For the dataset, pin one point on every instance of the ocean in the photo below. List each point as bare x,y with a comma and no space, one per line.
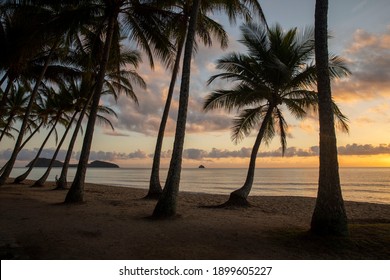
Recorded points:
358,184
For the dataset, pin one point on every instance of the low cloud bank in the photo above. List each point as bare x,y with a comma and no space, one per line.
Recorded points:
200,154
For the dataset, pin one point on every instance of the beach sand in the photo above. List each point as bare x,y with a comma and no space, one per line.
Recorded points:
114,223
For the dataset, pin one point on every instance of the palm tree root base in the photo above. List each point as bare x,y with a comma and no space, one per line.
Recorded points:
60,186
152,196
234,201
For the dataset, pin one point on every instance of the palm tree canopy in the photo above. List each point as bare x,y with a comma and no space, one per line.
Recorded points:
277,72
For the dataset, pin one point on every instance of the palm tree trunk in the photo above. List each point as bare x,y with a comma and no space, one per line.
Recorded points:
329,215
166,206
3,78
155,188
11,161
41,181
239,197
24,143
76,191
62,183
23,177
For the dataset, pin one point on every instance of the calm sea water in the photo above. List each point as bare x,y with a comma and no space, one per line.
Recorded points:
358,184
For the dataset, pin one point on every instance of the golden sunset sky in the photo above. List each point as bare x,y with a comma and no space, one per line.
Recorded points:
360,33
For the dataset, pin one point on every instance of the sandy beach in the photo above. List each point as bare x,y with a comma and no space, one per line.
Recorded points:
114,224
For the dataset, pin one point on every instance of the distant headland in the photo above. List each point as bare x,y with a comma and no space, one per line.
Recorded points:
44,162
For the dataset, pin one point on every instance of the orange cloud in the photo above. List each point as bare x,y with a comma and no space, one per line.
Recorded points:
369,59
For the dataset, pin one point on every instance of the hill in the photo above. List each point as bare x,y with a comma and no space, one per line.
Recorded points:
44,162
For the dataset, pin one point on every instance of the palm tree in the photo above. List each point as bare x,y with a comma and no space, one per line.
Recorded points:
276,74
33,132
20,42
166,206
53,112
65,103
15,107
206,27
48,40
329,215
145,23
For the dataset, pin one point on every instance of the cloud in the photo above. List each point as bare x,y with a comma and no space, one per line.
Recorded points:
146,117
366,149
368,57
214,153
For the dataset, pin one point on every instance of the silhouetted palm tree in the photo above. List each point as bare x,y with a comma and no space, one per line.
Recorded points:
166,206
144,22
47,34
206,29
329,215
277,74
51,109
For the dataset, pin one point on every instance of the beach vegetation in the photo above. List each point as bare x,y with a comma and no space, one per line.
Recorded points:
329,217
143,23
277,74
206,29
166,205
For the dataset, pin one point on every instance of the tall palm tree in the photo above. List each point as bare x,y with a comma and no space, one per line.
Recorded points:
166,206
276,74
118,79
49,40
145,23
206,28
329,215
65,103
51,109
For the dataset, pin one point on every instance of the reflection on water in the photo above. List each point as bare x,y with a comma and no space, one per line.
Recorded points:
358,184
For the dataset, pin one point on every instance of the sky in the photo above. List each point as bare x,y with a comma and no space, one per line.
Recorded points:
360,33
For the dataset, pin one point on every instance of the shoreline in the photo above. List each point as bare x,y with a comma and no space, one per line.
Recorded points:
360,186
113,224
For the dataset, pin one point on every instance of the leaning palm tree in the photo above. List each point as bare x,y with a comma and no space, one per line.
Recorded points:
47,39
144,22
54,114
277,74
205,30
166,206
329,215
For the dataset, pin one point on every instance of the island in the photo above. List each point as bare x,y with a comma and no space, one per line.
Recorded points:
201,166
44,162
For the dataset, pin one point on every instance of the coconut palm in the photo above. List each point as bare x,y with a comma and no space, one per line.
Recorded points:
166,206
48,32
52,109
34,129
329,215
19,41
205,30
64,103
276,74
144,21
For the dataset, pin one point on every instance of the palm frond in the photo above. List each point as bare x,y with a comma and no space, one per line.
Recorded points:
282,129
338,67
244,123
341,121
